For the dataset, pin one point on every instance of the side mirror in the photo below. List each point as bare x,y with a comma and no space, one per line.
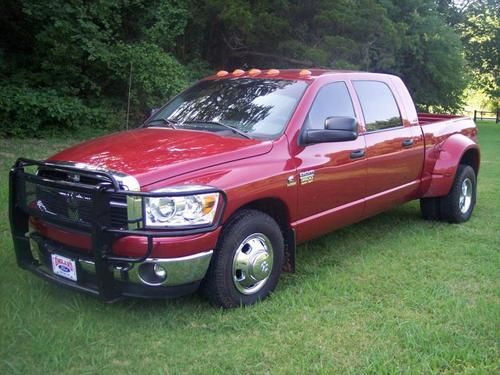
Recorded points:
337,129
153,111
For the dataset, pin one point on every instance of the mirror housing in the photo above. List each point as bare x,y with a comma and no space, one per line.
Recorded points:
337,129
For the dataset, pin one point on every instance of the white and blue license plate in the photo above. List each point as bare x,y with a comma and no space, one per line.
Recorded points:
64,267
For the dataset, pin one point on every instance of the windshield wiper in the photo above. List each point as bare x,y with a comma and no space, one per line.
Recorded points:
167,121
229,127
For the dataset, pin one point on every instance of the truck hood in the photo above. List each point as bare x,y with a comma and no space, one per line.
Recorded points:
153,154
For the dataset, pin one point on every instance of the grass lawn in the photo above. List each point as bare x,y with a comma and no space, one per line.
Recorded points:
389,295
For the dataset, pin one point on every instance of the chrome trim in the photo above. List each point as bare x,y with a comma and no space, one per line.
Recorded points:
87,265
465,197
117,204
134,212
35,249
252,263
183,270
130,182
180,271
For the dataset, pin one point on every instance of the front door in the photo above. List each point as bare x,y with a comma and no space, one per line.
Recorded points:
331,176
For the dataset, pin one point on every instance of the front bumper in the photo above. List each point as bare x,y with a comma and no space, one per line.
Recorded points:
183,275
101,271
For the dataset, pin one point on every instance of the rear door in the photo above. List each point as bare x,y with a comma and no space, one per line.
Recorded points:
394,162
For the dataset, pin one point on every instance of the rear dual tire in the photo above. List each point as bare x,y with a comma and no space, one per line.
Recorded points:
457,206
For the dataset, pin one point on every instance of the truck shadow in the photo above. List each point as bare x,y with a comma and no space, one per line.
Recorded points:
362,238
333,249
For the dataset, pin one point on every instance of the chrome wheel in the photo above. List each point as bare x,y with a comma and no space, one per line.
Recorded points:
465,198
252,263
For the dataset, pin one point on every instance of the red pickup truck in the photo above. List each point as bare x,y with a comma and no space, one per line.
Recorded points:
215,190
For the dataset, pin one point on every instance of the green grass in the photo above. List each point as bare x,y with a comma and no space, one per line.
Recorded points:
389,295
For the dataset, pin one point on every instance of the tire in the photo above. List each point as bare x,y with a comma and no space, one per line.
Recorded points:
457,206
430,208
247,262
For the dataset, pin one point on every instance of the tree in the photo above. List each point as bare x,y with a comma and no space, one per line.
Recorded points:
410,38
431,57
481,35
83,51
68,59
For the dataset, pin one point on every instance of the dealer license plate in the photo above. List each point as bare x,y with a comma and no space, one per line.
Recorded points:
64,267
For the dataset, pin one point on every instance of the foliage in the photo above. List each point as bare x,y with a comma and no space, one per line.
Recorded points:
83,52
77,56
476,99
481,34
26,111
410,39
431,62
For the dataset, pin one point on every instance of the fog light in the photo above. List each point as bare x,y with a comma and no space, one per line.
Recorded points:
160,271
152,273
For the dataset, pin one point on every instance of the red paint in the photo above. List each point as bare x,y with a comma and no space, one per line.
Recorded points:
64,236
155,154
167,247
343,191
443,152
133,246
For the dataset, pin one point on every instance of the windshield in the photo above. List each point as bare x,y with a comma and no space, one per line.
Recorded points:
256,108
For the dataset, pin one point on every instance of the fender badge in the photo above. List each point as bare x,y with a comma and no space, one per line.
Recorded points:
306,177
291,181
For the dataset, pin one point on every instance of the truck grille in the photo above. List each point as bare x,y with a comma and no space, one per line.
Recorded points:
71,205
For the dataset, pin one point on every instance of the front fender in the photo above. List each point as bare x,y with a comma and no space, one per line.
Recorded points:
448,156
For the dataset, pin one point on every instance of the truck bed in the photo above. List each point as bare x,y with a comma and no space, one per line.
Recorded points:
438,127
430,118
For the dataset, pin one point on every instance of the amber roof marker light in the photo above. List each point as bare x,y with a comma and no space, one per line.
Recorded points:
254,72
273,72
305,72
222,73
238,72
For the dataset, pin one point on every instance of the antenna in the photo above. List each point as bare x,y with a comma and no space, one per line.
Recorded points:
129,90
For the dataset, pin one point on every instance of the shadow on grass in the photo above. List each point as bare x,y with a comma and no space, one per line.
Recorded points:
333,249
357,238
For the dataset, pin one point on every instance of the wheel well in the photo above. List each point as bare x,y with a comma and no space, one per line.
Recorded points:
274,208
471,157
278,210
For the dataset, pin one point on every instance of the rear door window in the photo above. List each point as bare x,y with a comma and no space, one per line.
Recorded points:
380,109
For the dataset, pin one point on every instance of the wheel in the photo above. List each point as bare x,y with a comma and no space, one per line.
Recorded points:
247,262
458,205
430,208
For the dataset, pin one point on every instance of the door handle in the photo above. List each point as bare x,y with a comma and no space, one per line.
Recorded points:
407,142
356,154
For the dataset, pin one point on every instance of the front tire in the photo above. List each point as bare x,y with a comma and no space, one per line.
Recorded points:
247,263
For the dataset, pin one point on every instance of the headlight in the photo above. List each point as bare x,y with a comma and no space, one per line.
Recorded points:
179,211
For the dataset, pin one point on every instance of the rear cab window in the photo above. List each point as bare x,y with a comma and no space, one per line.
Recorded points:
380,109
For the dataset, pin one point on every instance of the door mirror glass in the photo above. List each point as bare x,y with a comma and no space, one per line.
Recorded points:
340,123
337,129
